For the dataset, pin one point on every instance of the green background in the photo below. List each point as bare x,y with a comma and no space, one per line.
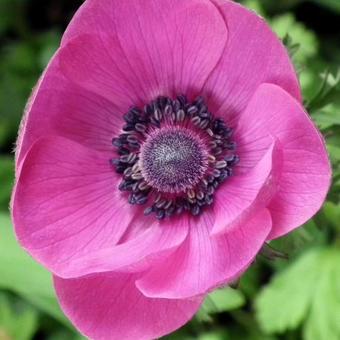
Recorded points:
278,298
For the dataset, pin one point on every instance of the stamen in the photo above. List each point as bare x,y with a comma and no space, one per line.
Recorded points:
173,155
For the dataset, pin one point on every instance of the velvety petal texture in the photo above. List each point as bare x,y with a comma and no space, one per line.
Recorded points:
59,107
106,54
248,193
202,262
305,172
144,48
69,214
109,306
120,274
253,55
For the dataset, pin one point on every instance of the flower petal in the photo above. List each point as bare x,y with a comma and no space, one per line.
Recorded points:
135,254
65,109
109,306
143,48
305,170
253,55
204,262
67,207
245,194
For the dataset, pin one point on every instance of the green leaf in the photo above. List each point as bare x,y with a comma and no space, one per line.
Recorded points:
329,93
284,303
255,6
219,301
328,117
63,334
18,320
6,180
299,35
334,152
22,275
214,335
331,212
307,290
323,322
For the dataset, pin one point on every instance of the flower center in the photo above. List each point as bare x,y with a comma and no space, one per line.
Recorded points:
173,155
173,160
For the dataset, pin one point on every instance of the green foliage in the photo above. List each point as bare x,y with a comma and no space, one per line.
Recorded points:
6,180
308,290
283,304
219,301
331,212
323,321
300,35
18,320
22,275
327,95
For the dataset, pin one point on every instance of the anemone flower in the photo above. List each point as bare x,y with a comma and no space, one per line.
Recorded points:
164,144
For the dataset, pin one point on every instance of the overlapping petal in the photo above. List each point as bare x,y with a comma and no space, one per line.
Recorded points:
153,241
253,55
68,211
121,274
143,48
305,171
109,306
106,54
65,109
245,194
203,262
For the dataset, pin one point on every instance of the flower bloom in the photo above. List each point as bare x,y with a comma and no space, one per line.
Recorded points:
163,145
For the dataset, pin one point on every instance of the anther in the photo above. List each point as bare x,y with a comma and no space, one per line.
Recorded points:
210,132
140,127
195,210
137,176
158,115
211,159
168,110
148,211
180,115
191,193
174,154
135,168
192,110
143,185
220,164
216,173
128,172
160,214
132,139
196,120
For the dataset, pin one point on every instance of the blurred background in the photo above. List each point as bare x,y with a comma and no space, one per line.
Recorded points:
292,299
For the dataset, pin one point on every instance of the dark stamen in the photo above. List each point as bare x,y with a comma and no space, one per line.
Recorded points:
174,155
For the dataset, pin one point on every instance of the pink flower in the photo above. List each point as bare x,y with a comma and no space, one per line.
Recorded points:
163,145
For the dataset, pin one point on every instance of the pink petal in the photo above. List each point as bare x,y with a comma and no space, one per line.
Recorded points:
109,306
245,194
140,49
305,170
155,240
65,109
204,262
253,55
67,207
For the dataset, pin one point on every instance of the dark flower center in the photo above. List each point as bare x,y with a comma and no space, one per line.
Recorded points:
173,160
173,155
